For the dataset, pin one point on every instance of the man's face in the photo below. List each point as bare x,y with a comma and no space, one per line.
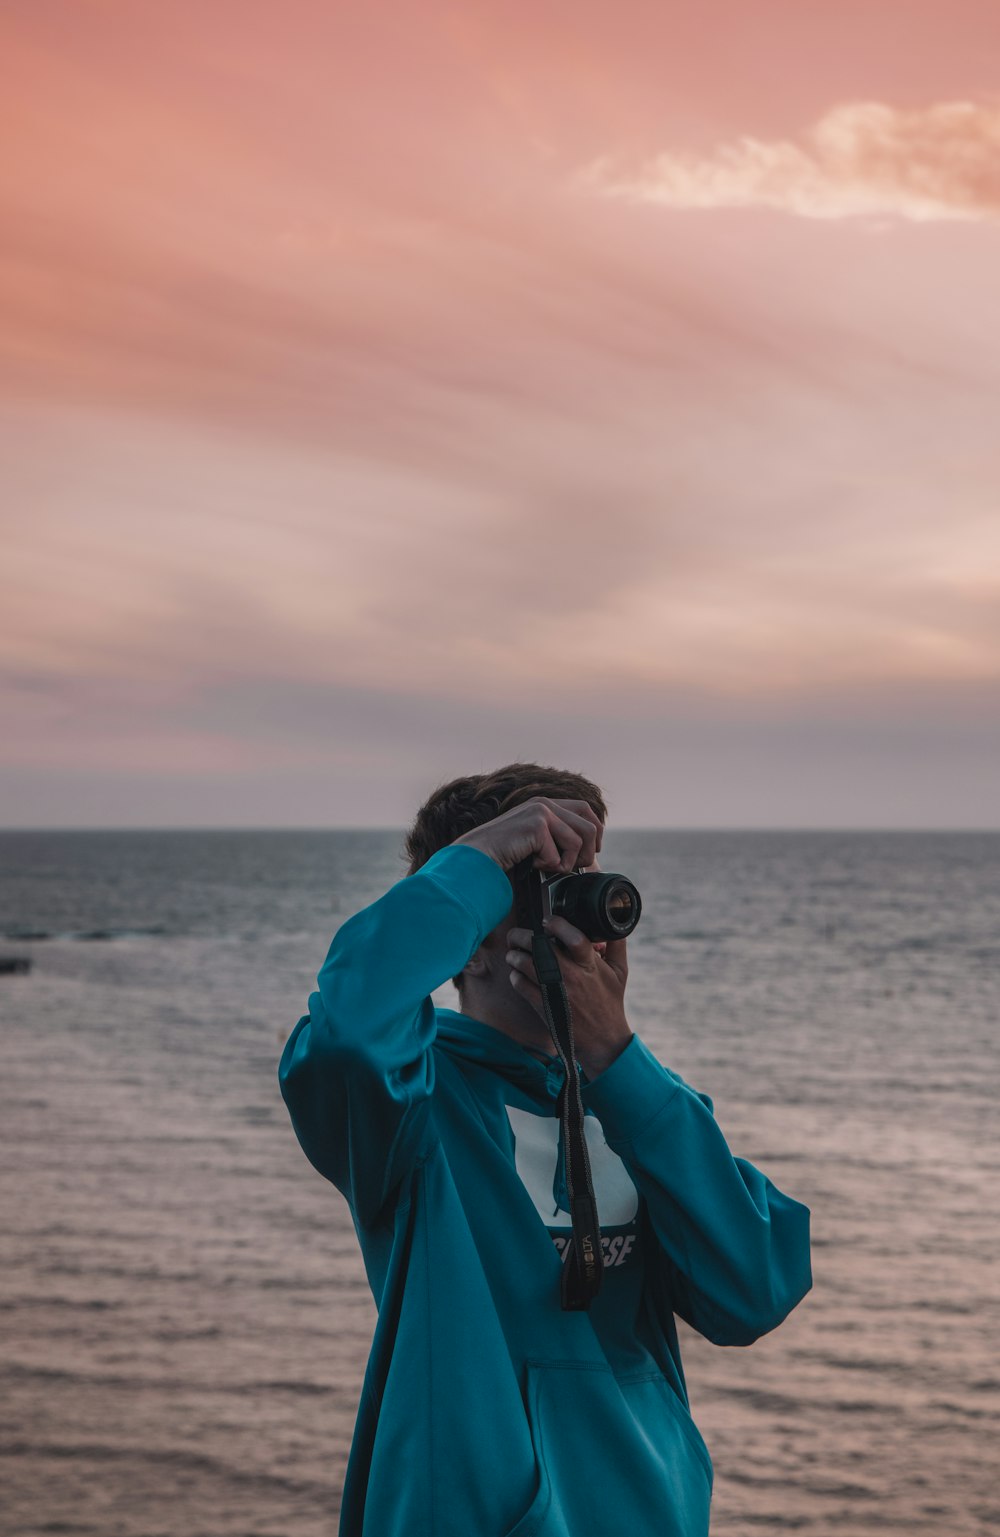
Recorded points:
487,991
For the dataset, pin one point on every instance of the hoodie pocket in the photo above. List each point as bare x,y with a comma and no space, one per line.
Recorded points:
613,1454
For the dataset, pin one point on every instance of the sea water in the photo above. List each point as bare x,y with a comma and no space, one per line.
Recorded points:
183,1309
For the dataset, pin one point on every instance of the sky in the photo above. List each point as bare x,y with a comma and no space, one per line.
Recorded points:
388,393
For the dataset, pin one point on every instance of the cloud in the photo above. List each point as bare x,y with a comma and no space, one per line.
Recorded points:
860,159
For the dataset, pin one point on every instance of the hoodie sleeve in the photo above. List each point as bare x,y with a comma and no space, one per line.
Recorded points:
357,1071
734,1248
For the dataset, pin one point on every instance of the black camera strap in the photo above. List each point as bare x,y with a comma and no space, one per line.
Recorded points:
583,1266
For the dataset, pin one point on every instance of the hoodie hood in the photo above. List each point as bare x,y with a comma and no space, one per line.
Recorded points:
540,1078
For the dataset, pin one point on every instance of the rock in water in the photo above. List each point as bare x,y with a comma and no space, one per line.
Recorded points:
10,964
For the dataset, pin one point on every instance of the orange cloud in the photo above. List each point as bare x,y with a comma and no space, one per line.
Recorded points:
861,158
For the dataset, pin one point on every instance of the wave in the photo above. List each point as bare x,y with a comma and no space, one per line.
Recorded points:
25,936
144,1383
183,1462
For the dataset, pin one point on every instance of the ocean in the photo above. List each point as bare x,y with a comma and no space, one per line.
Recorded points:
184,1312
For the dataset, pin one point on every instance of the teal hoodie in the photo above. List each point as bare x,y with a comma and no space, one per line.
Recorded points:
486,1410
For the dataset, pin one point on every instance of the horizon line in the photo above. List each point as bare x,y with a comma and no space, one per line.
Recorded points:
400,828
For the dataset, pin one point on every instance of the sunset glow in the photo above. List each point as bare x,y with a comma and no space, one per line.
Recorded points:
389,392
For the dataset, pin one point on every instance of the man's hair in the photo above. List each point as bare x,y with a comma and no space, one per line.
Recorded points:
459,805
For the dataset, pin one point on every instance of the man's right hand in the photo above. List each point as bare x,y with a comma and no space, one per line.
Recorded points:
563,835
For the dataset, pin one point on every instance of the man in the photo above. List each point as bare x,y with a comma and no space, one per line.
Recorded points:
487,1410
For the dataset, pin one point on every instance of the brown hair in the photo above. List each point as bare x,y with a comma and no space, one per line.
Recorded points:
459,805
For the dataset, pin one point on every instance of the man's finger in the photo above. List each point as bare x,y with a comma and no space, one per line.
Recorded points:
521,961
529,989
585,811
577,944
616,955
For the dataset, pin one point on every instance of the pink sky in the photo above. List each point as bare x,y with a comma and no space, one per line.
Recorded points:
389,392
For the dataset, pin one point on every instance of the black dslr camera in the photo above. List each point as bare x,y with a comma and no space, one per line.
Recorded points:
601,905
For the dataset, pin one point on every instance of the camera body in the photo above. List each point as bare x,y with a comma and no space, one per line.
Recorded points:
599,903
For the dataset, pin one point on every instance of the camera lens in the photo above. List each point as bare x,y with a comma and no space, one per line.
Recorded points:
600,905
620,908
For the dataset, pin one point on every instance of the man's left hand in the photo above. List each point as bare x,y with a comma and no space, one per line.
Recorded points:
594,977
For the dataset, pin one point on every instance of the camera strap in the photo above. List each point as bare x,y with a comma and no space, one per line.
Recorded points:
583,1265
